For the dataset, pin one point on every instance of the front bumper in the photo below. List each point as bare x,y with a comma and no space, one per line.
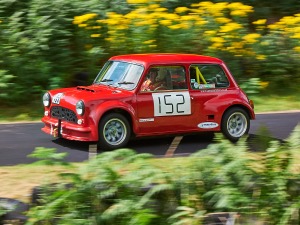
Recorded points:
68,130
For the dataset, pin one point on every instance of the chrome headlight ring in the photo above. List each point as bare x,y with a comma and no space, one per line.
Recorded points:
46,99
80,107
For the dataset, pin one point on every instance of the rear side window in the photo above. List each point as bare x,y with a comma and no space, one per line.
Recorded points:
203,76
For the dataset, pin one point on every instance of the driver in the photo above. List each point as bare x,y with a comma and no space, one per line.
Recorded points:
154,81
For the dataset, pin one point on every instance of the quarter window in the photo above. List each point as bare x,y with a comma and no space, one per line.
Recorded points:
203,76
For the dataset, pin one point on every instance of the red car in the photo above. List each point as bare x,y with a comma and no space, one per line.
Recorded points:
150,94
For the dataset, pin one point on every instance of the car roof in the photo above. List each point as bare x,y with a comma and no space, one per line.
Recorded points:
165,58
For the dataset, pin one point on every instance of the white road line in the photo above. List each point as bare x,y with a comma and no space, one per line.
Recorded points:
173,146
92,151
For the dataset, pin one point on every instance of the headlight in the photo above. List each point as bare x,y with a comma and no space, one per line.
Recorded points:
80,108
46,99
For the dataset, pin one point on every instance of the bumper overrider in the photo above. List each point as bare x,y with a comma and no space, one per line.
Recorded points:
61,128
61,119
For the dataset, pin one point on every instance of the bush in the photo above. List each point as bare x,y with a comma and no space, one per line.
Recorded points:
122,187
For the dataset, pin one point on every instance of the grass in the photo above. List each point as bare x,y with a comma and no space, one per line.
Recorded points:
269,103
18,181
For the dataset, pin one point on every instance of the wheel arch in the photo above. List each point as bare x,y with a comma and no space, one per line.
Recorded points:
242,127
121,111
247,110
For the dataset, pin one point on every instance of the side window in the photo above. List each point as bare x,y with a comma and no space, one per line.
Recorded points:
161,78
203,76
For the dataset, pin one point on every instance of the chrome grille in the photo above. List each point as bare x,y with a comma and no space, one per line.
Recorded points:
63,114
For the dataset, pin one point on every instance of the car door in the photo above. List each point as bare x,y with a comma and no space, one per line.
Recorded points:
166,109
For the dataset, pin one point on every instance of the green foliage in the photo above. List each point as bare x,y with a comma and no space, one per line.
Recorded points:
48,156
41,48
4,84
228,178
252,86
3,210
122,187
117,187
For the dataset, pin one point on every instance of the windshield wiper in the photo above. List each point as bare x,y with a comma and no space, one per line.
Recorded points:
106,80
125,82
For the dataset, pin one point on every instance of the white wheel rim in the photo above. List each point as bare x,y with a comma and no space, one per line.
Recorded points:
114,131
237,124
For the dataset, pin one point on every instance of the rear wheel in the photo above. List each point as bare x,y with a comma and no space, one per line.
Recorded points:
114,131
235,123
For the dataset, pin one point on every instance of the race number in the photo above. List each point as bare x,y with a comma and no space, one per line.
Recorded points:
56,98
171,103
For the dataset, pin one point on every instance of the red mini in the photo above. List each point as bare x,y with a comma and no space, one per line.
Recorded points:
150,94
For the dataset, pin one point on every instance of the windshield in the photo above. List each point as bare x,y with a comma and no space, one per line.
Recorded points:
120,74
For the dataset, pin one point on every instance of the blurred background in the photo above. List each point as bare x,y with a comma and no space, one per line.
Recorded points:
50,44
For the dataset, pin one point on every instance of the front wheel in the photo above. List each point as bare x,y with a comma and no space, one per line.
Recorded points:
114,131
235,123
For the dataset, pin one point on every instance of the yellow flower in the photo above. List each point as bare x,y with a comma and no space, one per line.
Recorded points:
83,18
217,39
297,49
239,9
187,18
175,27
95,35
260,22
217,45
296,36
153,6
137,1
170,16
251,38
210,32
264,84
237,45
161,9
112,21
273,26
229,27
149,42
181,9
200,22
165,22
82,25
206,4
223,20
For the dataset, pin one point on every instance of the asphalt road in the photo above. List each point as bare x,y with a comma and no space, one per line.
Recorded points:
18,140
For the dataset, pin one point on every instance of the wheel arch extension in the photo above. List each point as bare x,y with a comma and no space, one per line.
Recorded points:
122,112
247,110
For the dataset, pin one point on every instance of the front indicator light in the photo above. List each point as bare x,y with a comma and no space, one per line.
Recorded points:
80,107
251,104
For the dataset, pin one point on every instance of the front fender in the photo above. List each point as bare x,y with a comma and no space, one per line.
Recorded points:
103,108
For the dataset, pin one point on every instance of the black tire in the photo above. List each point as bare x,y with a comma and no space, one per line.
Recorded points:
235,123
114,132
